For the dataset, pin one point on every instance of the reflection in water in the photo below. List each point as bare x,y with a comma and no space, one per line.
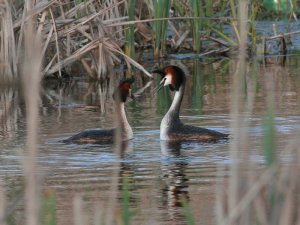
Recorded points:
175,180
157,183
9,111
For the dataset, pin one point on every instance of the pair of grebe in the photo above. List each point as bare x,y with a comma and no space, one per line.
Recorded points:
171,128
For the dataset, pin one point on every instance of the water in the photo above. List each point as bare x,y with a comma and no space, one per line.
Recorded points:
160,174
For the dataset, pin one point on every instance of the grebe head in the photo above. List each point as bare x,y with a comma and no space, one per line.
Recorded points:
123,91
171,76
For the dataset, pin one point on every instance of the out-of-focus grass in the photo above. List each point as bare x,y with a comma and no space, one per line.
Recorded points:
196,24
256,194
161,10
48,214
129,33
187,212
126,212
269,140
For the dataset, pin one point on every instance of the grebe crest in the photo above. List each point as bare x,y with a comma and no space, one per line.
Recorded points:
172,76
123,91
171,128
106,136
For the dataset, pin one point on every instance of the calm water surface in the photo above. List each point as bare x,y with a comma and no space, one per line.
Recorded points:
160,173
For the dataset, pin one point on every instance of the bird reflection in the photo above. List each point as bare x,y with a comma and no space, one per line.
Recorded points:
175,188
124,151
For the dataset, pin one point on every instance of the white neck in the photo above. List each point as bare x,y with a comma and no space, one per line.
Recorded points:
126,130
171,119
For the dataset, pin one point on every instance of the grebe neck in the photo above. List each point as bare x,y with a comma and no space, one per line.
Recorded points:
126,130
172,116
176,103
171,120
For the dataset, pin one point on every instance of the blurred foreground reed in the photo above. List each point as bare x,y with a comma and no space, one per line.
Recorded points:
254,194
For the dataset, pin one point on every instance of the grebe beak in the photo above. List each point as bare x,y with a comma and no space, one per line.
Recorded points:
158,87
161,84
131,95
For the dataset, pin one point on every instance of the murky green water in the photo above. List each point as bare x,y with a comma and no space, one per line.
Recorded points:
160,174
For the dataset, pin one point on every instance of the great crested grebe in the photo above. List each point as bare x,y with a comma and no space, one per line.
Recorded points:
171,128
106,136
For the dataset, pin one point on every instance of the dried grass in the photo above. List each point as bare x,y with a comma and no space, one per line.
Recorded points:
72,33
31,82
255,195
8,64
70,28
2,205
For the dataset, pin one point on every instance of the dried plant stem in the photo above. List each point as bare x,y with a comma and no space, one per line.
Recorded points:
56,42
79,216
236,111
249,196
2,206
31,82
114,181
7,43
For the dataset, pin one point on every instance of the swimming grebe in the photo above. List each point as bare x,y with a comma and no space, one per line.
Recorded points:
106,136
171,128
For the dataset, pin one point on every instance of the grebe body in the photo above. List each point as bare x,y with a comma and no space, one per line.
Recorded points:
107,136
171,128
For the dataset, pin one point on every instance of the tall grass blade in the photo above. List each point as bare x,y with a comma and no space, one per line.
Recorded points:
269,140
161,10
223,35
126,212
129,33
49,216
196,24
255,7
198,87
236,22
187,213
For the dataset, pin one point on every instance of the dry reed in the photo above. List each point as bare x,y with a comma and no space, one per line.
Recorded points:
2,205
72,33
93,33
8,64
249,196
31,82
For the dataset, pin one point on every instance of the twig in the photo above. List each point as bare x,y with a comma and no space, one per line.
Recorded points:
282,35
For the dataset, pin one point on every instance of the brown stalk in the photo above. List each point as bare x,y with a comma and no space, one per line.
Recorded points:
78,209
288,207
162,19
133,62
237,127
247,199
75,56
31,81
2,205
56,41
47,41
7,44
34,11
89,18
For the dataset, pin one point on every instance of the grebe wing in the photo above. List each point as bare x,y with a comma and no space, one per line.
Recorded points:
188,132
95,136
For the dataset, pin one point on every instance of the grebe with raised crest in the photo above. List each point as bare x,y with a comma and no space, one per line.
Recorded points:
171,128
107,136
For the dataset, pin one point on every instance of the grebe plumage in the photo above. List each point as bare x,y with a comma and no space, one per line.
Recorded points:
171,128
107,136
